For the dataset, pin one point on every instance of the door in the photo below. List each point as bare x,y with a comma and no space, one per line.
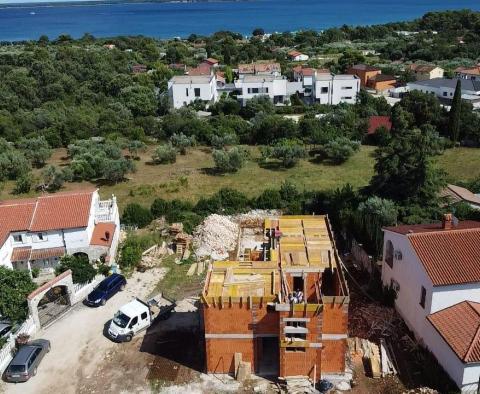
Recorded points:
133,326
144,320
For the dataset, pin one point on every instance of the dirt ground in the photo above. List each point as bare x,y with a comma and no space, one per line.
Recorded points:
80,350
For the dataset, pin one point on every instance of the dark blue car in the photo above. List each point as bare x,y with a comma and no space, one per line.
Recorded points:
106,289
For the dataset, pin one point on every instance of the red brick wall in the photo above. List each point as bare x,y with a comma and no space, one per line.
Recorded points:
220,354
228,320
335,318
333,356
299,363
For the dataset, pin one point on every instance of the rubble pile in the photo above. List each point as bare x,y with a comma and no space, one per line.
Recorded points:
215,237
255,218
153,256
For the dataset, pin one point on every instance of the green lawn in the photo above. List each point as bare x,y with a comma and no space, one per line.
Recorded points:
190,177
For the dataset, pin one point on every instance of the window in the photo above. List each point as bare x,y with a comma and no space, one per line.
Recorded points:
17,238
389,253
295,349
40,237
423,295
266,90
398,255
324,90
445,94
133,322
143,316
197,92
186,92
346,98
346,87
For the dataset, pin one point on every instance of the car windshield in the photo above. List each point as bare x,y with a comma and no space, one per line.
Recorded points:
120,319
16,368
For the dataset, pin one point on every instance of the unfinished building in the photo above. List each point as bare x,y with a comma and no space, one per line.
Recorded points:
281,301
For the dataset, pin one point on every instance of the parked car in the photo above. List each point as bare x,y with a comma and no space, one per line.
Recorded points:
25,362
106,289
138,315
5,328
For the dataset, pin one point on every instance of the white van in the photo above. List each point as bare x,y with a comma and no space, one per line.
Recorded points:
138,315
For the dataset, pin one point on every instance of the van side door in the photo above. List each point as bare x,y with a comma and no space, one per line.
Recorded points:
133,326
144,320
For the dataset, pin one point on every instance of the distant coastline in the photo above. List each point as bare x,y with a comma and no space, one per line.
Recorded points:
65,3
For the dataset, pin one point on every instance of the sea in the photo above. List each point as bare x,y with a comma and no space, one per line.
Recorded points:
180,19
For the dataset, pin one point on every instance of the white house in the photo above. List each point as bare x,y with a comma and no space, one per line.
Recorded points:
433,267
261,85
36,232
185,89
297,56
335,89
472,73
425,72
444,89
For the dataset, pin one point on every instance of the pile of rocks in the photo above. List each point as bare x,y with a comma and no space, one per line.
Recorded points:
215,237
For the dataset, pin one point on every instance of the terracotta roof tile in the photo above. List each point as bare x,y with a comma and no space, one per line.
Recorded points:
375,122
459,326
432,227
38,254
21,254
449,257
99,235
463,194
50,212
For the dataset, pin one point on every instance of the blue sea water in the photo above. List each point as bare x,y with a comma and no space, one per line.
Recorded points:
165,20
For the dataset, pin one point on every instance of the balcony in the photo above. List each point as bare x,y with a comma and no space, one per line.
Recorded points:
106,210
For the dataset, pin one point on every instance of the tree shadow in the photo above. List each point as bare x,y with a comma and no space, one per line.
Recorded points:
272,166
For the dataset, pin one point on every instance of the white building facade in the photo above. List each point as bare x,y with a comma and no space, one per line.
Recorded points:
433,268
36,233
184,89
335,89
262,85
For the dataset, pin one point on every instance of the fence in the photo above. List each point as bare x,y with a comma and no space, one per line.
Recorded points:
7,351
81,290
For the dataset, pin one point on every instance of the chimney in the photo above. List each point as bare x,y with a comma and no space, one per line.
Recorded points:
107,235
447,222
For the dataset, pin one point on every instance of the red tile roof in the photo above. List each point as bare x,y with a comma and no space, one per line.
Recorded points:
449,257
375,122
38,254
99,235
47,285
211,61
364,67
408,229
49,212
294,53
459,326
21,254
458,193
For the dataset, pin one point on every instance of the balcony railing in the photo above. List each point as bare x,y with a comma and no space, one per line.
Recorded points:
106,211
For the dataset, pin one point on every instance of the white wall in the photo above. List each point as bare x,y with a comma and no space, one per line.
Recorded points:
445,296
411,276
345,91
183,94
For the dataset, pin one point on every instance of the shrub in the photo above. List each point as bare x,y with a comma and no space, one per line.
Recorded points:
53,178
23,184
136,215
16,286
227,201
220,141
132,249
36,149
269,199
164,154
159,207
229,161
82,270
339,150
181,142
289,152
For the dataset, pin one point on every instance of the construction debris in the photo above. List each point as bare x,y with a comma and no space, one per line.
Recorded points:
153,256
373,321
182,244
255,218
215,237
388,367
299,385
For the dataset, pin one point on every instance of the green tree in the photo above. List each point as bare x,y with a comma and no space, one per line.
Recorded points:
454,115
82,270
229,161
53,178
136,215
16,285
36,149
134,147
182,142
289,152
164,154
23,183
339,150
404,167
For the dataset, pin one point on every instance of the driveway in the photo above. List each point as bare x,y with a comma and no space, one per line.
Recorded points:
79,347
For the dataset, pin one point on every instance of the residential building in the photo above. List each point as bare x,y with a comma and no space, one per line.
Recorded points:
456,194
376,122
281,304
297,56
185,89
139,69
211,62
364,72
324,87
382,82
260,68
252,86
424,72
444,89
472,73
434,269
37,232
335,89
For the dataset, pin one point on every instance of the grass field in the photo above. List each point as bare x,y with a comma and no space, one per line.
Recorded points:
191,177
